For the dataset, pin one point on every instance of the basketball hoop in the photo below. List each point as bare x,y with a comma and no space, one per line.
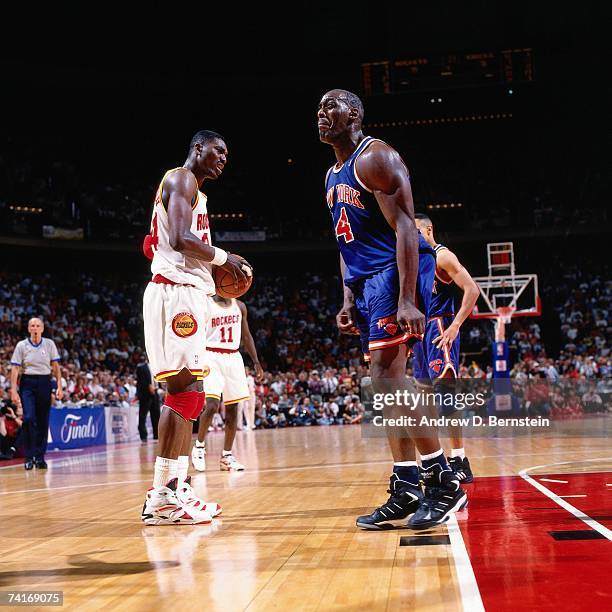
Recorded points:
504,313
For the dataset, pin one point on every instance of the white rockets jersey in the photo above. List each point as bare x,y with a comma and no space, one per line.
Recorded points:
171,264
224,326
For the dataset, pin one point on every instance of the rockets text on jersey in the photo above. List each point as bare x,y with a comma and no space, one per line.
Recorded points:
366,241
225,325
443,293
171,264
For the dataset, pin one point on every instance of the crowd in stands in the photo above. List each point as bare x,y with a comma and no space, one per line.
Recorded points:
69,197
581,375
330,397
312,375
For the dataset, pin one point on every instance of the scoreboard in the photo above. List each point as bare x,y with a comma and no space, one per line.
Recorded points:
445,72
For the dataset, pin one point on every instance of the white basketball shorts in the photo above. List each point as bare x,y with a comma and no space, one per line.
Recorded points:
227,377
175,322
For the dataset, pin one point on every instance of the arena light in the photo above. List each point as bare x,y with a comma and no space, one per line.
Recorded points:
444,205
438,120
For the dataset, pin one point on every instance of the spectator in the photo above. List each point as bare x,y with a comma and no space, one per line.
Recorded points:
592,402
537,401
148,402
11,423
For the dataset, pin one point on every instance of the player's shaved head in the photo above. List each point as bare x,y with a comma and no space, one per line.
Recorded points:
203,137
35,321
352,100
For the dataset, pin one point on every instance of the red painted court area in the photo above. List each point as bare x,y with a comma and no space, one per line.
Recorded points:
516,560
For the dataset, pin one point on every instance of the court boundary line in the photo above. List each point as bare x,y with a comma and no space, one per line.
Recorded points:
471,599
585,518
68,487
57,460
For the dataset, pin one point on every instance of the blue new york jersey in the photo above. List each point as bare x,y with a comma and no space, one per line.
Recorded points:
368,247
366,240
443,294
431,362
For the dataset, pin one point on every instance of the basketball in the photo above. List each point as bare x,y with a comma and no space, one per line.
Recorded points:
224,284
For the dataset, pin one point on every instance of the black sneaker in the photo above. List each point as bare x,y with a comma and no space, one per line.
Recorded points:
41,464
29,464
443,496
404,501
462,469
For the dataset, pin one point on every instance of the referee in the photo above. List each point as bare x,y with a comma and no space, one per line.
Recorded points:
37,357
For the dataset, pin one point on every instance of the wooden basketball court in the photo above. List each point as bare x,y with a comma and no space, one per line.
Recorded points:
536,533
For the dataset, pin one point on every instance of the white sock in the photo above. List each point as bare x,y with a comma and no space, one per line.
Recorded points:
458,452
226,453
432,455
182,469
405,463
165,470
200,444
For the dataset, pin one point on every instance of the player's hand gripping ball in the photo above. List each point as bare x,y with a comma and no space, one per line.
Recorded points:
225,283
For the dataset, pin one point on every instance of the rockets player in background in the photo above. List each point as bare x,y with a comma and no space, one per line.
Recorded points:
228,326
176,308
369,197
436,359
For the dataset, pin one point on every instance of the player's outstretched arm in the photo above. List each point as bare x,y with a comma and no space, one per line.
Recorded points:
179,191
248,342
448,262
382,170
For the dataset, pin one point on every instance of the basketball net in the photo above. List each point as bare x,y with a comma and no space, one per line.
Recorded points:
504,316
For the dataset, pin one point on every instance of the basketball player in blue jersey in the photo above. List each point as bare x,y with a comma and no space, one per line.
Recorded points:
436,359
370,199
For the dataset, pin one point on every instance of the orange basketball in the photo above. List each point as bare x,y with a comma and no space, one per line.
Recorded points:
224,284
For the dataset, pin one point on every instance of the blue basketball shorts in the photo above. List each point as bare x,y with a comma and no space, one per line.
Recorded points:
430,362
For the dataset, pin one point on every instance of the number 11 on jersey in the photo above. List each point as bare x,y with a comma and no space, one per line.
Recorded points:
229,334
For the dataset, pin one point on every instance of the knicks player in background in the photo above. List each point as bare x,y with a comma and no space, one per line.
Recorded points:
176,307
370,199
227,327
436,359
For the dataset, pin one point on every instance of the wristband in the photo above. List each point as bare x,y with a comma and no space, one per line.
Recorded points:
220,257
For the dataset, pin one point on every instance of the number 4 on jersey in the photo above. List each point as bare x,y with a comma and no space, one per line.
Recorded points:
343,227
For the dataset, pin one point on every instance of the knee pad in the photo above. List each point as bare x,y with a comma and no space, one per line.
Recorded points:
185,404
447,391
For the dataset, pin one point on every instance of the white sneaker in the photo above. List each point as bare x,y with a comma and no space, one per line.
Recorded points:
187,496
229,464
198,458
162,507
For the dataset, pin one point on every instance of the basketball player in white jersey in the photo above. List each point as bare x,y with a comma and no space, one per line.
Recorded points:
176,308
227,327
